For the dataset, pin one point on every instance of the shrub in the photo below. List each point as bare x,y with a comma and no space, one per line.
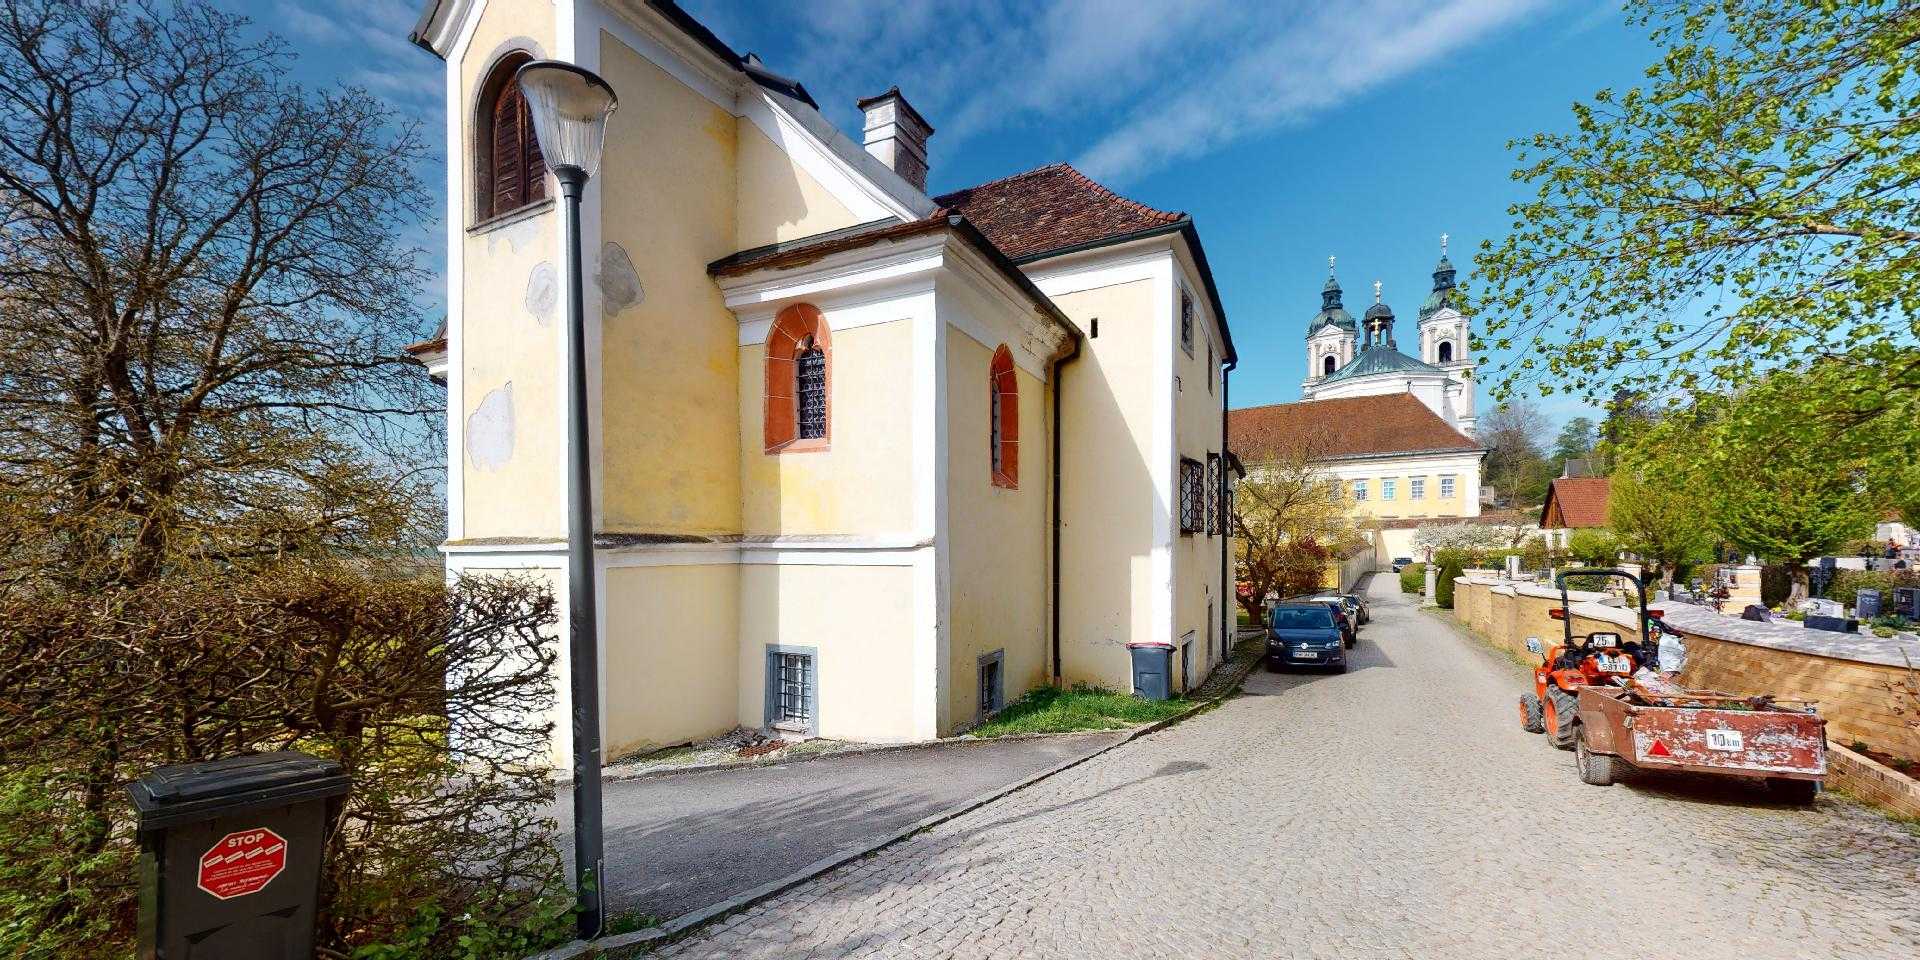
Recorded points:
1847,584
433,699
1413,578
1776,584
1443,591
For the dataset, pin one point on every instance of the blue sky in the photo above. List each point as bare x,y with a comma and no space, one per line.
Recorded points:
1291,131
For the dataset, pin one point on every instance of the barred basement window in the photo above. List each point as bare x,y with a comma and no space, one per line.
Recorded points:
1192,496
792,689
1214,507
811,369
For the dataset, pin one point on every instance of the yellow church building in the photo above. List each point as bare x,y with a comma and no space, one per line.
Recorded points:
869,463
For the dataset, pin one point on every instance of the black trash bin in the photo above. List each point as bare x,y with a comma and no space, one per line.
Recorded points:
1152,669
230,856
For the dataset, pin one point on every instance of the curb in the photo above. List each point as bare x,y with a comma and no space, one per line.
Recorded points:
607,777
630,944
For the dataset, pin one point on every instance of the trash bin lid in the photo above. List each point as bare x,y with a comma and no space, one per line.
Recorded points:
190,792
1137,644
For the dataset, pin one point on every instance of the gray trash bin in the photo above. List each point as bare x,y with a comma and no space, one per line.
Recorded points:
1152,669
1866,604
230,856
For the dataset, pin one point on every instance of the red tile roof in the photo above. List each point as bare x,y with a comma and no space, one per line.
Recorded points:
1576,502
1052,208
1387,423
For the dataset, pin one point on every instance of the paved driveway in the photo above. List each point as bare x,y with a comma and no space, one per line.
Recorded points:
1395,811
682,841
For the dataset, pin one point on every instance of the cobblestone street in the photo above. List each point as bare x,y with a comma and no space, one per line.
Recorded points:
1395,811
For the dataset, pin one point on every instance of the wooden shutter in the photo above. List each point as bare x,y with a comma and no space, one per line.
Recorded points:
533,164
509,156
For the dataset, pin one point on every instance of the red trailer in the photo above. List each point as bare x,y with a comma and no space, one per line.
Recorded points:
1701,731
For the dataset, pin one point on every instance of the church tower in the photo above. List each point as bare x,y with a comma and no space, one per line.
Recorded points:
1330,337
1444,338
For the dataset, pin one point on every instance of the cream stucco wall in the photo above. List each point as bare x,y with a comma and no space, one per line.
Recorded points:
861,484
1197,597
669,448
778,199
997,538
509,387
1110,506
560,714
672,654
859,620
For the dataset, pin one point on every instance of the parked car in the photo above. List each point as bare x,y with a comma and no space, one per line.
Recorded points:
1401,563
1344,613
1360,602
1305,634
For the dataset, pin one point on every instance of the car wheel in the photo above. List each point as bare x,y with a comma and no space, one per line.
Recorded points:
1562,711
1532,714
1599,769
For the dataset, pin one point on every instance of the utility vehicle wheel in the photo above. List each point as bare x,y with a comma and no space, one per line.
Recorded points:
1562,710
1797,792
1533,717
1599,769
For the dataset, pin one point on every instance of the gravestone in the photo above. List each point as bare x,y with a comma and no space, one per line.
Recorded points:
1866,604
1832,624
1823,608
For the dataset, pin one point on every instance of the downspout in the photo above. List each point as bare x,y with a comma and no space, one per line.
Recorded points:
1059,370
1229,591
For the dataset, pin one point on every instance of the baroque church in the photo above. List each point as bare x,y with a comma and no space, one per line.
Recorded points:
1394,433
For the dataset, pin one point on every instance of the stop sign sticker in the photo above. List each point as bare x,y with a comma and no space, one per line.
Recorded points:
243,862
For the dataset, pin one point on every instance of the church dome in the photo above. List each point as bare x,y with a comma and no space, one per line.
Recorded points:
1442,296
1332,312
1379,311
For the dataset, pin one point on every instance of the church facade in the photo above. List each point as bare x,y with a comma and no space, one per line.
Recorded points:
1394,432
869,462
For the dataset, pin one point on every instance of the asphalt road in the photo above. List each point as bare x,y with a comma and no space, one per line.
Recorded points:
680,842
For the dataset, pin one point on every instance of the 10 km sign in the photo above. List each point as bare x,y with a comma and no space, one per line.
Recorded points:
241,863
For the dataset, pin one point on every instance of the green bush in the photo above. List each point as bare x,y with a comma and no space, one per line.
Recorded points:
1413,578
1443,591
1847,584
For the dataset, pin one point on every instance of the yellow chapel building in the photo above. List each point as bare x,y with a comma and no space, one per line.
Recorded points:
869,463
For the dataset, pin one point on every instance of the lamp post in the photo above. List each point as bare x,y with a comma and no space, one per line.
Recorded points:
570,107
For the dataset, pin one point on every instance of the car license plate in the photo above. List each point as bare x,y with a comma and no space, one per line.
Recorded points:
1725,741
1308,654
1613,664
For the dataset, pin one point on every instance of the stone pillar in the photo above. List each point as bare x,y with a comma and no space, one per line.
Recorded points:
1433,578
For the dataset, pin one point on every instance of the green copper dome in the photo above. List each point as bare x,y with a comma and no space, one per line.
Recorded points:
1332,312
1443,285
1381,358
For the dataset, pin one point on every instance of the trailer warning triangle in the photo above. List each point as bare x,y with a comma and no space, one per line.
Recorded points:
1659,749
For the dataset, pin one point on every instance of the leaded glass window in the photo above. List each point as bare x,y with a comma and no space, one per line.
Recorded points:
811,369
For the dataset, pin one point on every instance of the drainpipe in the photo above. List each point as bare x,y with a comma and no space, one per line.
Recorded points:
1059,372
1229,596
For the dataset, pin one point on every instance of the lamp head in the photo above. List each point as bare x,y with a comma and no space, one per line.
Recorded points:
570,107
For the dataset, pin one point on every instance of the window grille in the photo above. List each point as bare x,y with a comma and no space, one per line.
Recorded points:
993,688
1446,488
1186,321
1214,506
1192,496
793,690
1387,489
1417,488
811,369
1359,489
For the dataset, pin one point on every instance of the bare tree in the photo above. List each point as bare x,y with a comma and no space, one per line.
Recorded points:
1516,469
202,299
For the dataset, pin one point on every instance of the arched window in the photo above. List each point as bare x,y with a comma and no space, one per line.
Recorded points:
1327,366
799,387
511,173
1445,352
1003,421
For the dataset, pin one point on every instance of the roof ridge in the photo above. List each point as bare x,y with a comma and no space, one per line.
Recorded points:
1168,216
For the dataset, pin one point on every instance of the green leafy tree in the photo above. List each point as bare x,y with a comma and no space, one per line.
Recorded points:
1756,199
1575,441
1654,509
1599,548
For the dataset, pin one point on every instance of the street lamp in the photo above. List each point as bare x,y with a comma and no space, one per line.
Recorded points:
570,107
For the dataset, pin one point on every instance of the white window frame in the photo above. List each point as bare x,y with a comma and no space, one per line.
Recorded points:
1388,487
1447,487
1416,488
1359,490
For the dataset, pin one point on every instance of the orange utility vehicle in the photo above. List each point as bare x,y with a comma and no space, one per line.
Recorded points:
1588,698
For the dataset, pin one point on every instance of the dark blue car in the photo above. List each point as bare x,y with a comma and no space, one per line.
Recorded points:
1305,635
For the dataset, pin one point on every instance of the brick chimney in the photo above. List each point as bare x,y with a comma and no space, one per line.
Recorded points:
897,134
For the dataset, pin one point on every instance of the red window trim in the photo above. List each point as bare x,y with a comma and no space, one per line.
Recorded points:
780,425
1004,382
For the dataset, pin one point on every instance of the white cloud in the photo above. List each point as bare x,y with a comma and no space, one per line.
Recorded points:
1164,80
